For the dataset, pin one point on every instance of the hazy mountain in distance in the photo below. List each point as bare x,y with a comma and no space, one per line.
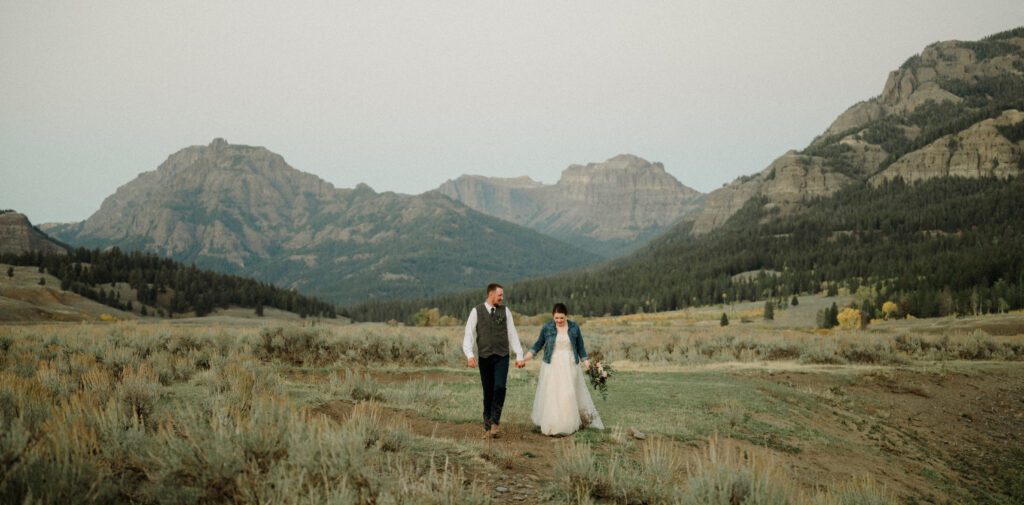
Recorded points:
609,208
243,209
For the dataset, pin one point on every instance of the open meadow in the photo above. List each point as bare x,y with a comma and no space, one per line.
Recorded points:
273,411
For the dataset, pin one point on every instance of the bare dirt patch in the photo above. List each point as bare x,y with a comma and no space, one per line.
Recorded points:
943,433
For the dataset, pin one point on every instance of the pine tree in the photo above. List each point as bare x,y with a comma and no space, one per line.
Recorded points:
724,321
821,318
42,281
794,301
10,271
769,311
833,316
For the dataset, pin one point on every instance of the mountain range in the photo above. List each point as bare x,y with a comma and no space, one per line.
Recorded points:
954,110
914,194
608,208
243,209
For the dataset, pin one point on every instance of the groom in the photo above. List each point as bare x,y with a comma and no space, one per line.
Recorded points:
490,333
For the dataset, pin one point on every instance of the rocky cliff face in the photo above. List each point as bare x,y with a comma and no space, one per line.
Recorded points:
609,207
17,236
243,209
790,180
943,113
979,151
511,199
920,79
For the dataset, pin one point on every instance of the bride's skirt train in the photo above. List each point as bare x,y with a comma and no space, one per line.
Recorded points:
563,403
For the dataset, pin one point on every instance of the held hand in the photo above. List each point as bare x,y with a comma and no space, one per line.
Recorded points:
520,363
586,364
471,362
528,357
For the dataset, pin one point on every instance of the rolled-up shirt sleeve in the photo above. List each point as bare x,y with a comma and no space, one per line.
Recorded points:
513,335
469,340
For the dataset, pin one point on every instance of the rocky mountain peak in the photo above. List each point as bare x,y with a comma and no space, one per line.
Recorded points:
622,163
952,110
920,79
608,207
243,209
523,181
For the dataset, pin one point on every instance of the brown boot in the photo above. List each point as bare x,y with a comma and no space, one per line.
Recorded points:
494,431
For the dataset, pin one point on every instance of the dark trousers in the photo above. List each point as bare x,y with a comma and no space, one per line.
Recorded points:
493,376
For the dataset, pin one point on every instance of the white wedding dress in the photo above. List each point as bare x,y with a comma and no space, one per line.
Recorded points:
563,404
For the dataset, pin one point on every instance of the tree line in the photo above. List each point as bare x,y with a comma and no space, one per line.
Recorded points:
165,285
937,247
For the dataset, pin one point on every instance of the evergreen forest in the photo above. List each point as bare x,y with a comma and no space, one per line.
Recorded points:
168,287
938,247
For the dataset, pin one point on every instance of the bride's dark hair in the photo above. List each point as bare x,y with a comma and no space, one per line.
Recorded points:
560,308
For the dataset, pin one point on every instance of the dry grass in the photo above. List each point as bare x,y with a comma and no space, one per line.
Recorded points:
704,346
162,413
723,472
135,414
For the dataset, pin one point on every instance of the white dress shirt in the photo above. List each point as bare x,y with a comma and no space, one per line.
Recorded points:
469,341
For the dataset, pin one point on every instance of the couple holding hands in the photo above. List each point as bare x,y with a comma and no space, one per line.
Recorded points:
562,403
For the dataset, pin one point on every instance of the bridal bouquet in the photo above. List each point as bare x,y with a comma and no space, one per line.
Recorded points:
599,373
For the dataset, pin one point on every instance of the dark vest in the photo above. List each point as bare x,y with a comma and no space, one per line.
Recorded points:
491,332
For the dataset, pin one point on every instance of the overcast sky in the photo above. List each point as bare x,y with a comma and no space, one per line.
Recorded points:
405,95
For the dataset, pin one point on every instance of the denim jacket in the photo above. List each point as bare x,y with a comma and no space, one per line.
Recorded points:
547,337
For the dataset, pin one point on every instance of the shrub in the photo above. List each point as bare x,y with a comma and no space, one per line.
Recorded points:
22,400
438,484
296,346
859,491
139,390
822,355
52,380
422,394
357,386
725,474
576,467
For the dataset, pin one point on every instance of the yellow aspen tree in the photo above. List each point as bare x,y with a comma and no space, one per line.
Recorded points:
849,319
889,309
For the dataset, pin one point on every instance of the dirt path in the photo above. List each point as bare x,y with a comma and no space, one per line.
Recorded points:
524,458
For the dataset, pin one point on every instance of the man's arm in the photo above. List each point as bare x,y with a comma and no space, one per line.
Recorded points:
513,337
469,339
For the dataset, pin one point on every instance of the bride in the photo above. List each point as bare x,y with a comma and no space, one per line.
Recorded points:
562,403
